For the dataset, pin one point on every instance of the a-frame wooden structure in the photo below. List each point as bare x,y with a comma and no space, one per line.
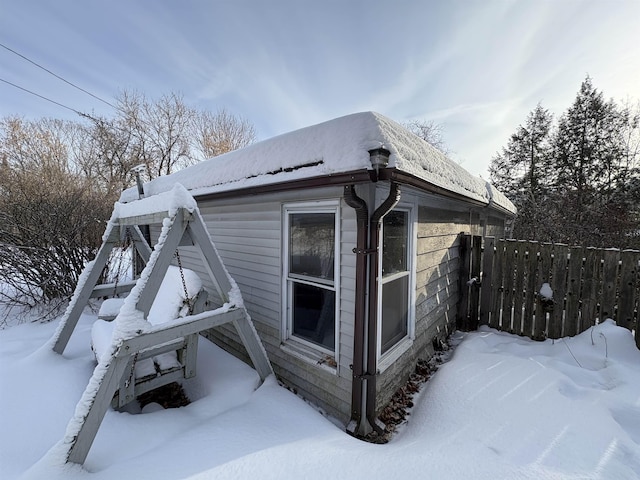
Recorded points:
112,380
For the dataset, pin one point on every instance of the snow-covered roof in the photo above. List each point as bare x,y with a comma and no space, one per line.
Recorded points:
333,147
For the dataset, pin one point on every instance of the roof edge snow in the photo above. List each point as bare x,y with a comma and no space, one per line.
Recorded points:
329,148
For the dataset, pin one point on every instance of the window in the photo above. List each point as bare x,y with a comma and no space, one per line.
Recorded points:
311,275
395,280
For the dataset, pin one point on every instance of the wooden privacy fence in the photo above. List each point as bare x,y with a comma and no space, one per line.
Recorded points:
503,286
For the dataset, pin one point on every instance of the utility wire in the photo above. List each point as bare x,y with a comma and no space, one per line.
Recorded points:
47,99
57,76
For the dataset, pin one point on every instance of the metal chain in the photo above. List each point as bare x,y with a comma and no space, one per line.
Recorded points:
184,283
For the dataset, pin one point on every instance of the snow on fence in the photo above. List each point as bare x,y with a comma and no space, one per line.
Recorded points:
544,290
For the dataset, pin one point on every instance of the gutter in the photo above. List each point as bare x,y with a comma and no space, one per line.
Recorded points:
355,426
372,335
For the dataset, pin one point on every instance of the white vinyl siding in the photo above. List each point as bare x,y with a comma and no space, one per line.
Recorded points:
248,234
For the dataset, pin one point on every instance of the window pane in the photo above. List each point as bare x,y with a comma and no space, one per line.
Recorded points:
312,244
395,303
314,314
395,242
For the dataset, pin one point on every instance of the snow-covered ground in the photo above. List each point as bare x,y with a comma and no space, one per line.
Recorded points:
503,407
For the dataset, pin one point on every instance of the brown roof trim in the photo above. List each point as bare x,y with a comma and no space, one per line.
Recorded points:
413,181
349,178
341,179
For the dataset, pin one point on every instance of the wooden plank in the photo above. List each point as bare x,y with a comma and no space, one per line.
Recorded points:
211,259
188,356
518,291
99,403
474,293
540,328
611,260
112,289
140,243
167,332
497,286
574,280
629,289
530,288
486,287
558,285
252,343
507,301
83,291
126,386
590,284
147,219
463,305
162,262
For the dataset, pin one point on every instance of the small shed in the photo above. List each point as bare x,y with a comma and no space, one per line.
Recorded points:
343,238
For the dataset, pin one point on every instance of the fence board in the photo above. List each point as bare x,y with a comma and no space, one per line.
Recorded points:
508,288
544,267
497,288
558,285
463,305
530,293
487,273
590,287
629,286
518,291
609,279
474,294
574,279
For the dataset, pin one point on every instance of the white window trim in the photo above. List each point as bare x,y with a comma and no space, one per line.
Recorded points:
300,347
388,358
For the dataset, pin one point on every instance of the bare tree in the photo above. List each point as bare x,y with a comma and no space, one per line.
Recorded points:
429,131
51,219
221,132
59,179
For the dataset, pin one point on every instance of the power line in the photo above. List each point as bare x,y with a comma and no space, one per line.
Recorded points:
57,76
45,98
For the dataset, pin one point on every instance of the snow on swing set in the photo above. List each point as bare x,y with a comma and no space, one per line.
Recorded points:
135,335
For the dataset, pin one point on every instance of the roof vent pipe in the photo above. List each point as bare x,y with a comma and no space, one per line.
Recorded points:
137,170
379,158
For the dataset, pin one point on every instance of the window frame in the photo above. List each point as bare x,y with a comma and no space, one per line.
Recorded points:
387,358
309,349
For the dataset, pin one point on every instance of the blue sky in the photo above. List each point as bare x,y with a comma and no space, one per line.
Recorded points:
476,67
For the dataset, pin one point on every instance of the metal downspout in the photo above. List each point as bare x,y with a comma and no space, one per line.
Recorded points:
372,334
355,426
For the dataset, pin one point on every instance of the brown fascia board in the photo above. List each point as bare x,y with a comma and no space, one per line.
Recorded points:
341,179
425,186
350,178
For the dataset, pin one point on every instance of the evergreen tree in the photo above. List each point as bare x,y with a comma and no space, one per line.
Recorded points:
522,172
578,182
588,154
